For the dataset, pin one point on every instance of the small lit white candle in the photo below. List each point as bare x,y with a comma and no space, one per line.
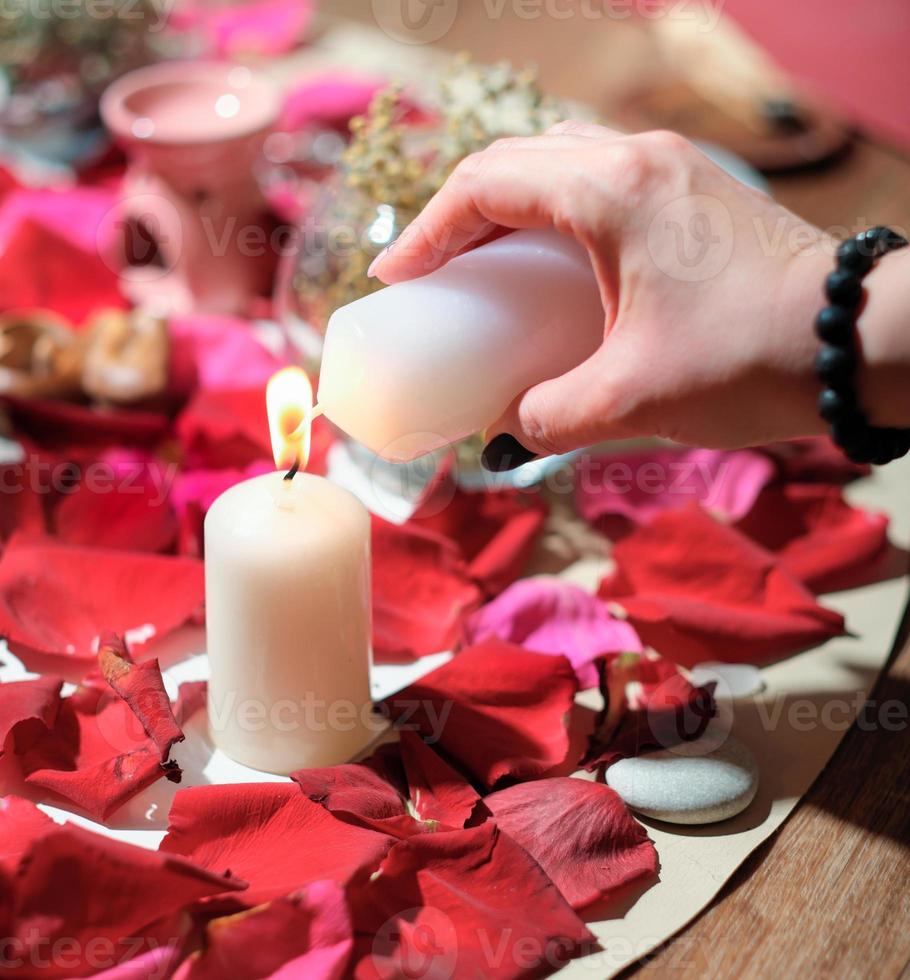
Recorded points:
287,575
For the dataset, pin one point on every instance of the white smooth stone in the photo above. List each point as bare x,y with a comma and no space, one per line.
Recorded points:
686,784
733,680
420,364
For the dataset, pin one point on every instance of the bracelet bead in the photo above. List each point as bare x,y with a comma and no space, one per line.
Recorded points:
837,360
844,288
835,365
834,325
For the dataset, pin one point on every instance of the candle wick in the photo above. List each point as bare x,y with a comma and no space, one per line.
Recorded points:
292,472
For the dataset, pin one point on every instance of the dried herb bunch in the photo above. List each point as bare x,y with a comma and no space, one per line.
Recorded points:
394,165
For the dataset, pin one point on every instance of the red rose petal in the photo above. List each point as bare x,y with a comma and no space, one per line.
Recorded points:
421,592
63,425
21,507
142,688
465,903
817,536
99,900
353,789
815,460
21,823
97,756
697,590
306,934
579,832
496,709
225,428
57,599
123,506
667,710
28,708
437,792
495,532
271,835
42,269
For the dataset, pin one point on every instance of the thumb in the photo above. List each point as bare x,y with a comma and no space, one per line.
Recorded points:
582,407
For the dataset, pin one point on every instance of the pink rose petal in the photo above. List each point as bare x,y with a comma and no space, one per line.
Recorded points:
548,615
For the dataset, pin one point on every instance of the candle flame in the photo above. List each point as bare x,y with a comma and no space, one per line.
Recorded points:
289,404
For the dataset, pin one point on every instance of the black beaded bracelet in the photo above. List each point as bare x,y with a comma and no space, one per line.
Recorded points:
836,362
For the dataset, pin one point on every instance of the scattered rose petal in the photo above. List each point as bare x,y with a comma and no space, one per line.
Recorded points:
665,710
271,835
121,502
495,709
21,823
98,755
695,589
99,899
438,793
75,214
263,27
21,506
158,963
57,599
815,460
352,789
226,353
225,428
328,101
495,532
465,903
305,934
142,687
28,708
64,425
42,269
548,615
421,592
817,536
639,486
579,832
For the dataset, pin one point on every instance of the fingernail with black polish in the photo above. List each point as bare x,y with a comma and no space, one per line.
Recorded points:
505,452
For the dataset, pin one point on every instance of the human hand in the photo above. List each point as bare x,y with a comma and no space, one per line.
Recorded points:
709,289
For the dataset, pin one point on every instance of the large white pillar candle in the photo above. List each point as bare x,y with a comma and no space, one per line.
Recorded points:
421,364
287,578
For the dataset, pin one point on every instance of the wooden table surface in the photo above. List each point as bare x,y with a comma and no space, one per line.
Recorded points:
828,895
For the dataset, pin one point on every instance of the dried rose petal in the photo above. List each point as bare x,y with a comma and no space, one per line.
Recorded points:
667,710
271,835
465,903
697,590
57,599
142,688
548,615
579,832
96,900
495,709
27,709
495,532
437,792
97,756
817,536
421,592
305,934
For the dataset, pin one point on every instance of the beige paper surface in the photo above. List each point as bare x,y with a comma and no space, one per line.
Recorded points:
793,727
